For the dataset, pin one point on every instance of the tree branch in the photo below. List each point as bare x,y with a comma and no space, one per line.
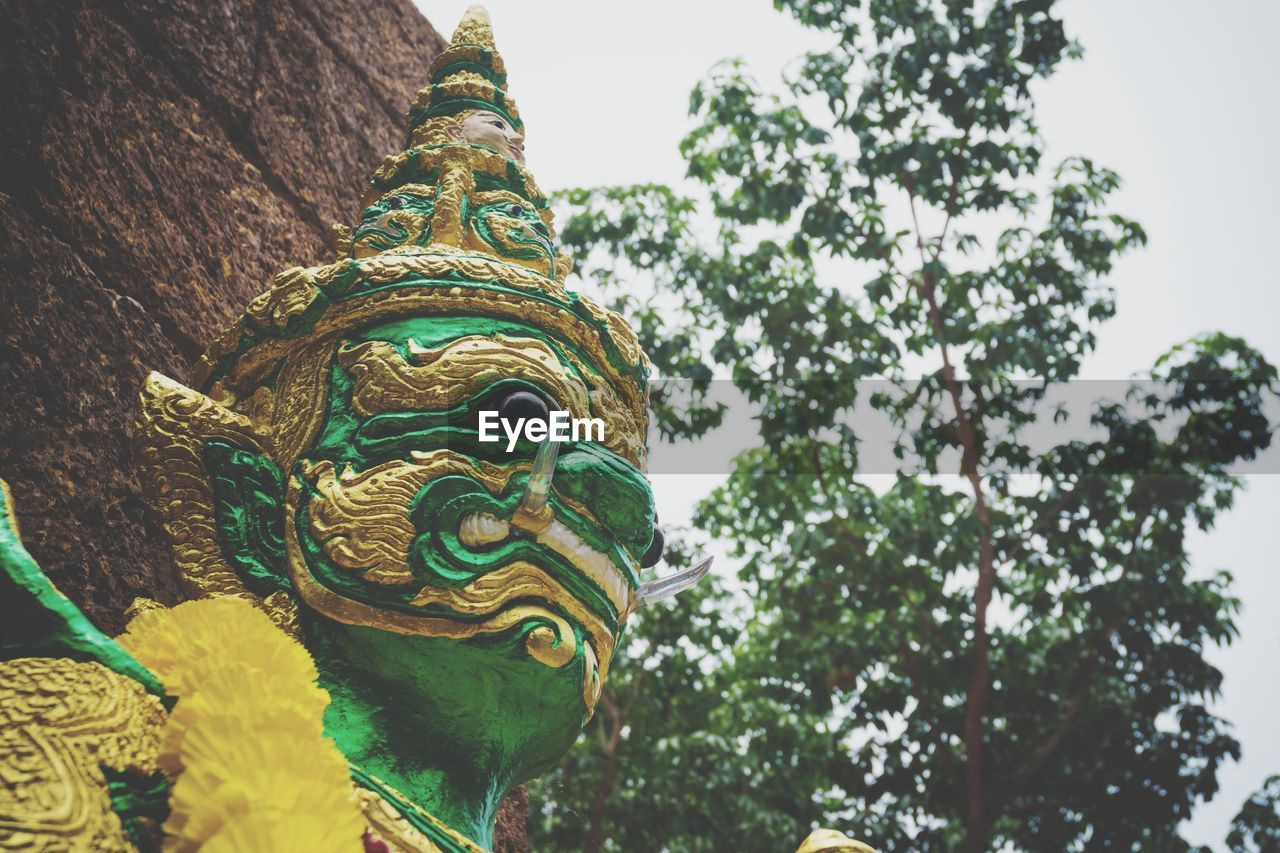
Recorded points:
976,818
952,197
1046,750
910,187
817,469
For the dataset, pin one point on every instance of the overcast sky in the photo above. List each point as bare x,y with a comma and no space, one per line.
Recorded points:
1178,97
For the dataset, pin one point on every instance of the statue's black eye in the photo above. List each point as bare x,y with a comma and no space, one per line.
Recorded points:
523,404
499,125
395,202
516,210
656,546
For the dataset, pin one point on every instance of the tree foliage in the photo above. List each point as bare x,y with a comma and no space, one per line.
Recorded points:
1256,828
1002,648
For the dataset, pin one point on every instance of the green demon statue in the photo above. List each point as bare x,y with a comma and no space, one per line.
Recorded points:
461,599
330,465
394,620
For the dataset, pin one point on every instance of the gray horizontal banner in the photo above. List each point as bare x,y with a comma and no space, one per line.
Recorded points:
1204,420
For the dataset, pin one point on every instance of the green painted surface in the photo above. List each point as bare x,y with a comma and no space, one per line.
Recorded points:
379,229
530,240
248,505
141,802
451,725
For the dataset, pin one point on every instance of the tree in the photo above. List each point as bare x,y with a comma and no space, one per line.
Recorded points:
1257,826
1004,648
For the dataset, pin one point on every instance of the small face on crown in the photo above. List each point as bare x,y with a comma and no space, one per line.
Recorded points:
482,127
449,198
496,222
402,218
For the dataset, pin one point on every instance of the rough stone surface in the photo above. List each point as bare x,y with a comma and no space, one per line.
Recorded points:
159,162
511,833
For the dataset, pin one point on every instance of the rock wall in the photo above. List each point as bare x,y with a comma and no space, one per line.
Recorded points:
160,162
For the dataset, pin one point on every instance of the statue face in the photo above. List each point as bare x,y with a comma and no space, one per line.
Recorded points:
399,219
400,528
494,132
496,222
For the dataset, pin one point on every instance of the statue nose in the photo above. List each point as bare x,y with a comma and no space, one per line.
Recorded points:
616,494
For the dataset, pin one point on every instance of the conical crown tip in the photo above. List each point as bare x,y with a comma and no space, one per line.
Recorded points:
474,28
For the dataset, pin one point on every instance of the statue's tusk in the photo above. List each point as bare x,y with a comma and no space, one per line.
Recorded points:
533,514
538,489
674,584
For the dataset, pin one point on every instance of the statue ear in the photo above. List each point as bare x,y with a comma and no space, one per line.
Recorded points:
248,503
207,475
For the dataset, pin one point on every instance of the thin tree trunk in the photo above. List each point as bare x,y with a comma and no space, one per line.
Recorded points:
976,820
615,719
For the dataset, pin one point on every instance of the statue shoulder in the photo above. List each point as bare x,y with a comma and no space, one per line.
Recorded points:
79,745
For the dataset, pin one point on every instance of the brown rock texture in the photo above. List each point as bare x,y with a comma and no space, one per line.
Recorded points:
511,835
160,162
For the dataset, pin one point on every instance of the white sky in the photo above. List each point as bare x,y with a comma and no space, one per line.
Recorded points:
1178,97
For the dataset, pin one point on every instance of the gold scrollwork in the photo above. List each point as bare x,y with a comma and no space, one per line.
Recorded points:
552,643
387,824
523,580
443,377
361,520
258,362
174,424
61,722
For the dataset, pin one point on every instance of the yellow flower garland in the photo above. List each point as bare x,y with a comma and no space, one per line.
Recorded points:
245,743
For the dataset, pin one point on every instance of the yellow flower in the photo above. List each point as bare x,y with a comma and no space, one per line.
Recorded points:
183,645
272,697
245,742
279,833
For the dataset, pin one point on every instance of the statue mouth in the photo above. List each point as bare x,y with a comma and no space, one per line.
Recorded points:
481,530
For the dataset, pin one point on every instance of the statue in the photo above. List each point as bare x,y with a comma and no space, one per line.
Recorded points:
393,622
